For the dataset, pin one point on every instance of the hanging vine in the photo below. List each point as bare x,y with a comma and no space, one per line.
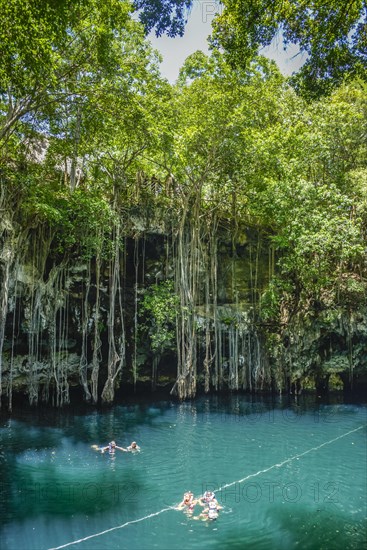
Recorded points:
116,354
85,316
96,343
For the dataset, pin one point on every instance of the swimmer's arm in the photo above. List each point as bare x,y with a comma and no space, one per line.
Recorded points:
121,449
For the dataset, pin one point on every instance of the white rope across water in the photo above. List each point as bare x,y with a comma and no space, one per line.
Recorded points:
278,465
112,529
289,459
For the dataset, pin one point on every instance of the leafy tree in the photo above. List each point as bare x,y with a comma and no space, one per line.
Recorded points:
80,222
332,34
48,51
165,16
79,106
224,116
159,306
314,210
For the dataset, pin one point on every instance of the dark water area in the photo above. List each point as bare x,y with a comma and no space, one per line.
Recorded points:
288,474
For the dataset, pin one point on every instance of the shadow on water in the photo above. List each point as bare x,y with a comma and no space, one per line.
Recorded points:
39,430
55,495
47,465
321,528
309,530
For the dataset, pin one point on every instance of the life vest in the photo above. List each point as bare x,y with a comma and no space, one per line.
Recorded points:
213,510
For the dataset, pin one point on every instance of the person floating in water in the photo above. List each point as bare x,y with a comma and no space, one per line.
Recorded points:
111,448
133,448
188,502
207,496
212,507
211,512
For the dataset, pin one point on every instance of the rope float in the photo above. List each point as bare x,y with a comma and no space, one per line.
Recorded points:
278,465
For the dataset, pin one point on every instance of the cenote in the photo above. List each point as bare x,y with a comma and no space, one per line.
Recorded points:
288,475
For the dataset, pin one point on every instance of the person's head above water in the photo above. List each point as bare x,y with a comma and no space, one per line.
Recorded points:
134,445
112,444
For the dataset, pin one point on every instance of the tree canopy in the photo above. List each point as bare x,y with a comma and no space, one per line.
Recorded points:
164,16
332,35
54,51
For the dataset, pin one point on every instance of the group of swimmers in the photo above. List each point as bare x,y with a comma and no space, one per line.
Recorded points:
188,503
111,448
208,501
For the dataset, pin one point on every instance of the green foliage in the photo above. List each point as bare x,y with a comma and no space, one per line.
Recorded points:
317,232
230,146
93,222
82,222
78,95
195,66
332,34
221,121
55,54
165,16
159,307
270,301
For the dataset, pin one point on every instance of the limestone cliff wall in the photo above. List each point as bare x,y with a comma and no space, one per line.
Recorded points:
69,324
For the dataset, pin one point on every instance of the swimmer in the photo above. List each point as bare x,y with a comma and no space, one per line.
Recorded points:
188,502
211,512
133,448
111,448
207,497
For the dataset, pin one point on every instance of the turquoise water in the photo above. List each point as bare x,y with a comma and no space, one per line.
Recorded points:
286,476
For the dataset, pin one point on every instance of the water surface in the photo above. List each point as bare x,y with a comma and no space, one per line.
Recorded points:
287,475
